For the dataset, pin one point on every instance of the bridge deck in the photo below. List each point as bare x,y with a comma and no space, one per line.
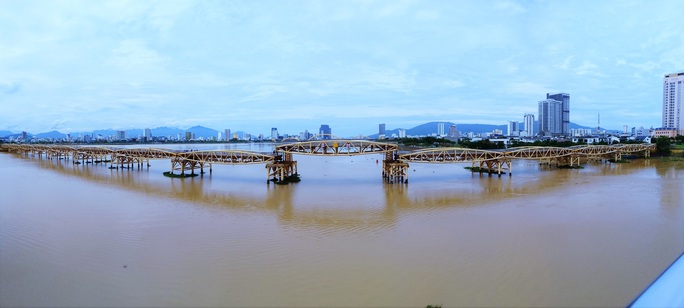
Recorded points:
280,164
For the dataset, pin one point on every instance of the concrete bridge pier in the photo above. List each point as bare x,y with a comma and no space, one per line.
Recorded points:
283,169
395,171
497,166
182,164
570,160
280,171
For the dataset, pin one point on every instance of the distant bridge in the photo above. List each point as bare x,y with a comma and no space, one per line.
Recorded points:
280,164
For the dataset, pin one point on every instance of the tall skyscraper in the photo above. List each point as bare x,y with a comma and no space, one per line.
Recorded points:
550,117
226,134
274,133
325,131
673,102
564,98
381,130
453,132
440,129
529,124
148,134
512,128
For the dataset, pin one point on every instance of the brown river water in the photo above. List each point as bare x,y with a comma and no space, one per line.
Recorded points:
85,235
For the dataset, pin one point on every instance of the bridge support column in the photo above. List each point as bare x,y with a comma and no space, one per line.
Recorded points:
395,171
574,159
281,172
182,164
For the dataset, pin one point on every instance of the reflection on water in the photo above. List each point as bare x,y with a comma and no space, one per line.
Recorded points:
479,189
342,237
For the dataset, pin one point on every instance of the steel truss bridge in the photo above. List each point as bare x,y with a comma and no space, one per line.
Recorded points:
280,164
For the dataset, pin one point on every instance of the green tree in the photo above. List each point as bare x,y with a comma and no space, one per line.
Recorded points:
679,139
663,146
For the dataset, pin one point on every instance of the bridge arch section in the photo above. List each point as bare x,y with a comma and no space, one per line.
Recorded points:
339,147
451,155
490,161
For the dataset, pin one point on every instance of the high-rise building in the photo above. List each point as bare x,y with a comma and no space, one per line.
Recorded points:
551,117
440,129
402,133
453,132
564,98
529,124
325,131
274,133
305,135
512,128
148,134
226,134
381,130
673,102
121,135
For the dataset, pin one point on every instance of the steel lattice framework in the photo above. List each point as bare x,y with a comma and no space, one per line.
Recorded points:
538,152
337,147
227,157
450,155
280,164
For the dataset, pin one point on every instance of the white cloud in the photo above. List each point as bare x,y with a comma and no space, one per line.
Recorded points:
510,6
81,61
587,68
454,84
393,8
135,54
532,89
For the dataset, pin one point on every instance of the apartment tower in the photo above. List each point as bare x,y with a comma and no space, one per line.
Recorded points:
550,117
529,124
673,102
564,98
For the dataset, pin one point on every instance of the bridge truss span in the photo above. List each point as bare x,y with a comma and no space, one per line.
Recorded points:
538,152
229,157
337,147
280,165
450,155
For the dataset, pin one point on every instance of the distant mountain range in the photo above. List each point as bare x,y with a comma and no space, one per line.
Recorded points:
204,132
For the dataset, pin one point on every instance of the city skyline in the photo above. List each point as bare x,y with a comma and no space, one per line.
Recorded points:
82,65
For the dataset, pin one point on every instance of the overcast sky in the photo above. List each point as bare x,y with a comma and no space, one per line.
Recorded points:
252,65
